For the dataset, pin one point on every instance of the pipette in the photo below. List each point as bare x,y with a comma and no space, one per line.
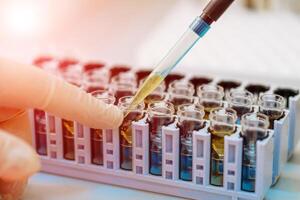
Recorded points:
199,27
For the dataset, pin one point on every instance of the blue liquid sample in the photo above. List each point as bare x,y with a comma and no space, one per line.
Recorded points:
248,178
186,166
126,155
155,129
216,177
249,166
186,145
155,163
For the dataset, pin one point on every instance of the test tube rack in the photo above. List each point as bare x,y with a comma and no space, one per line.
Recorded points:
272,154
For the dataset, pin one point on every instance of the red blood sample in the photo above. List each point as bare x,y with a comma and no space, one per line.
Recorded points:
40,132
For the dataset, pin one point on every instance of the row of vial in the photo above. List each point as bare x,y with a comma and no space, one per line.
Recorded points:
178,105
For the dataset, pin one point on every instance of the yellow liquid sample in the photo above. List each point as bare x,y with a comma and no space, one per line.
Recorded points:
150,84
217,153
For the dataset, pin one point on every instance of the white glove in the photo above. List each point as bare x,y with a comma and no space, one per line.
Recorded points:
23,87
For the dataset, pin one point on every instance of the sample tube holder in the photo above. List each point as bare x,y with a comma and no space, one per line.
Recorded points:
140,178
272,154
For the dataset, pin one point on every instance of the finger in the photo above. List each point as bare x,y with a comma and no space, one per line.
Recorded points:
24,86
6,113
12,190
18,160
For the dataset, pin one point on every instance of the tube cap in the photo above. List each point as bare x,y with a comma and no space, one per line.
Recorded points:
214,10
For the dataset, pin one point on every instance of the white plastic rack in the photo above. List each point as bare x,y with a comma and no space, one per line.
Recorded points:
272,154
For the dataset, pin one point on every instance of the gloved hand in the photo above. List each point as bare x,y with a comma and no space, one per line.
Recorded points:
23,87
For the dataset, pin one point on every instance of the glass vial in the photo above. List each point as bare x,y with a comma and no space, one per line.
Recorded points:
190,118
157,95
159,114
273,106
126,131
254,127
241,101
68,139
222,123
181,92
68,125
95,77
210,97
123,85
97,134
40,132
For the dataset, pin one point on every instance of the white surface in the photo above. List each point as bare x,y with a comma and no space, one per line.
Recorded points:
242,43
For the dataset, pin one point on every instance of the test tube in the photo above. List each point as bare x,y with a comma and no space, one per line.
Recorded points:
159,114
126,131
48,64
95,77
287,93
40,131
67,125
157,95
273,106
222,123
254,127
97,134
118,69
241,101
229,85
257,90
123,86
181,92
190,119
172,77
142,75
200,80
210,97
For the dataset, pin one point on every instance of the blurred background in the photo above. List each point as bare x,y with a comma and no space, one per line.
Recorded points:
256,39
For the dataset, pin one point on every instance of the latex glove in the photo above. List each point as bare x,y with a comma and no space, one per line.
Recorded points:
23,87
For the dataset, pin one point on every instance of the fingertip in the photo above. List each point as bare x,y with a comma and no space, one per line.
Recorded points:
19,159
104,116
119,115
